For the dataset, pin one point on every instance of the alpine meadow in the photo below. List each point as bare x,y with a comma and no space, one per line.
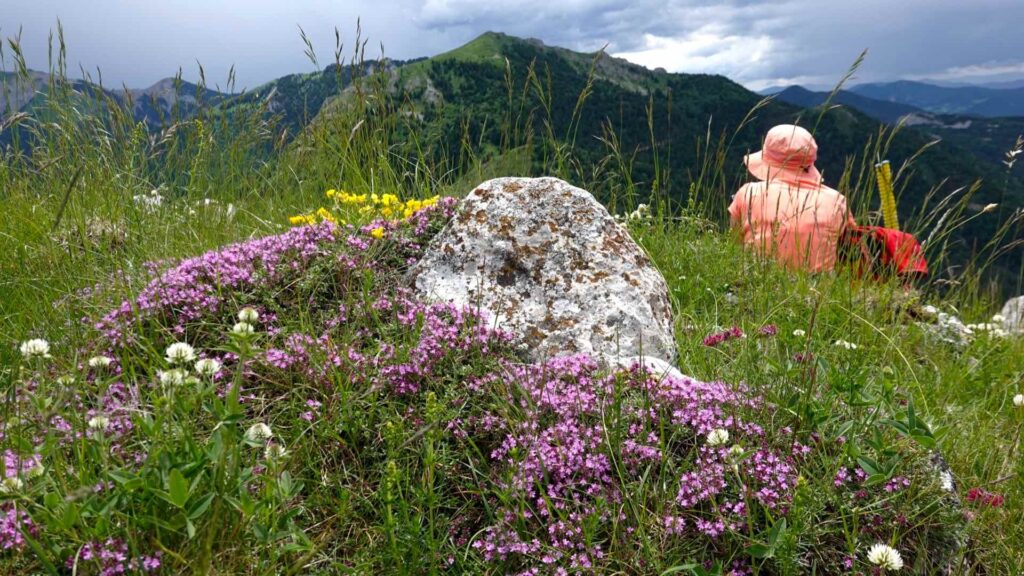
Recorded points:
215,357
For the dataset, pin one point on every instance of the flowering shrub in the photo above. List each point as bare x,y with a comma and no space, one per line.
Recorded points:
284,402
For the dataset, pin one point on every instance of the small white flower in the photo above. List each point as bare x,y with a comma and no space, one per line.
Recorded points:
248,315
885,557
799,333
35,348
11,484
999,319
1018,400
929,310
174,377
736,451
65,380
274,451
242,329
718,437
259,432
207,367
99,422
180,353
946,481
99,362
845,344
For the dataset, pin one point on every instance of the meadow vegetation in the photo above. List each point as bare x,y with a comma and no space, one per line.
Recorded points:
210,366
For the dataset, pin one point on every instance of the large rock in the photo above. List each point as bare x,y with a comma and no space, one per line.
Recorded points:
548,263
1013,315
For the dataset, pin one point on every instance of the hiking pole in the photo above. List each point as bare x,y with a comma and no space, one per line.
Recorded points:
883,173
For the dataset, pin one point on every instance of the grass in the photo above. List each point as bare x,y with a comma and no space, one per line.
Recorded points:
379,481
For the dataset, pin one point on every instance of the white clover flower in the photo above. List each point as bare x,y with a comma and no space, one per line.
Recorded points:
99,422
845,344
180,353
174,377
11,484
99,362
259,432
946,481
1018,400
66,380
249,315
799,333
736,451
207,367
242,329
35,348
718,437
274,451
885,557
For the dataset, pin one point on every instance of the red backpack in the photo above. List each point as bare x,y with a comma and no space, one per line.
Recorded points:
883,253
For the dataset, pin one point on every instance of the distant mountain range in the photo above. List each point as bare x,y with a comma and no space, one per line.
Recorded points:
464,94
991,101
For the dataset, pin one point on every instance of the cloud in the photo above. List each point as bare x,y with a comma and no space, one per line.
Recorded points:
707,50
984,71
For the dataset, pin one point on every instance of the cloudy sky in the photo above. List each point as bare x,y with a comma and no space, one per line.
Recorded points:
755,42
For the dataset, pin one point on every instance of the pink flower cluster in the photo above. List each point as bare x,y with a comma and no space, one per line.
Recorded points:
112,558
716,338
14,524
556,460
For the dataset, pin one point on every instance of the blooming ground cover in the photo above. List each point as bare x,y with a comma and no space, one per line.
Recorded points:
281,404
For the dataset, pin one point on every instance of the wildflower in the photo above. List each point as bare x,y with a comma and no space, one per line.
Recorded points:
242,329
718,437
66,380
768,330
985,498
36,470
999,319
99,362
99,423
11,484
845,344
35,348
207,367
175,377
799,333
248,315
180,352
377,232
259,432
885,557
736,451
1018,400
274,451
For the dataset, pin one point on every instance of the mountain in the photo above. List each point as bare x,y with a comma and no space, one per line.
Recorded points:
888,112
967,100
987,138
509,99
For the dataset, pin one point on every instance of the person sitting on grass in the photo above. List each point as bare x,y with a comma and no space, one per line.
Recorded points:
789,213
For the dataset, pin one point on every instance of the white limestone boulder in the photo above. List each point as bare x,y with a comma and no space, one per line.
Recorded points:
1013,315
547,262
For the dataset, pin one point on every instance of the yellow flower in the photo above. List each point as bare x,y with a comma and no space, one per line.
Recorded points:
302,219
332,192
324,214
377,233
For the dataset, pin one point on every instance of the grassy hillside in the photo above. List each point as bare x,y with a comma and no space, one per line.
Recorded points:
346,428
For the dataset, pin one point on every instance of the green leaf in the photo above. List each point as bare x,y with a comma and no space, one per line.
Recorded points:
868,465
200,507
177,488
760,551
926,441
778,531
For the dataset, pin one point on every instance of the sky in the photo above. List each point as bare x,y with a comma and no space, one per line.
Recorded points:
758,43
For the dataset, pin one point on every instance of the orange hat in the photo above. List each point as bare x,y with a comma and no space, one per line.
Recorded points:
788,155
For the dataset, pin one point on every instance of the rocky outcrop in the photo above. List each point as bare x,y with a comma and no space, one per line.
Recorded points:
1013,315
546,261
